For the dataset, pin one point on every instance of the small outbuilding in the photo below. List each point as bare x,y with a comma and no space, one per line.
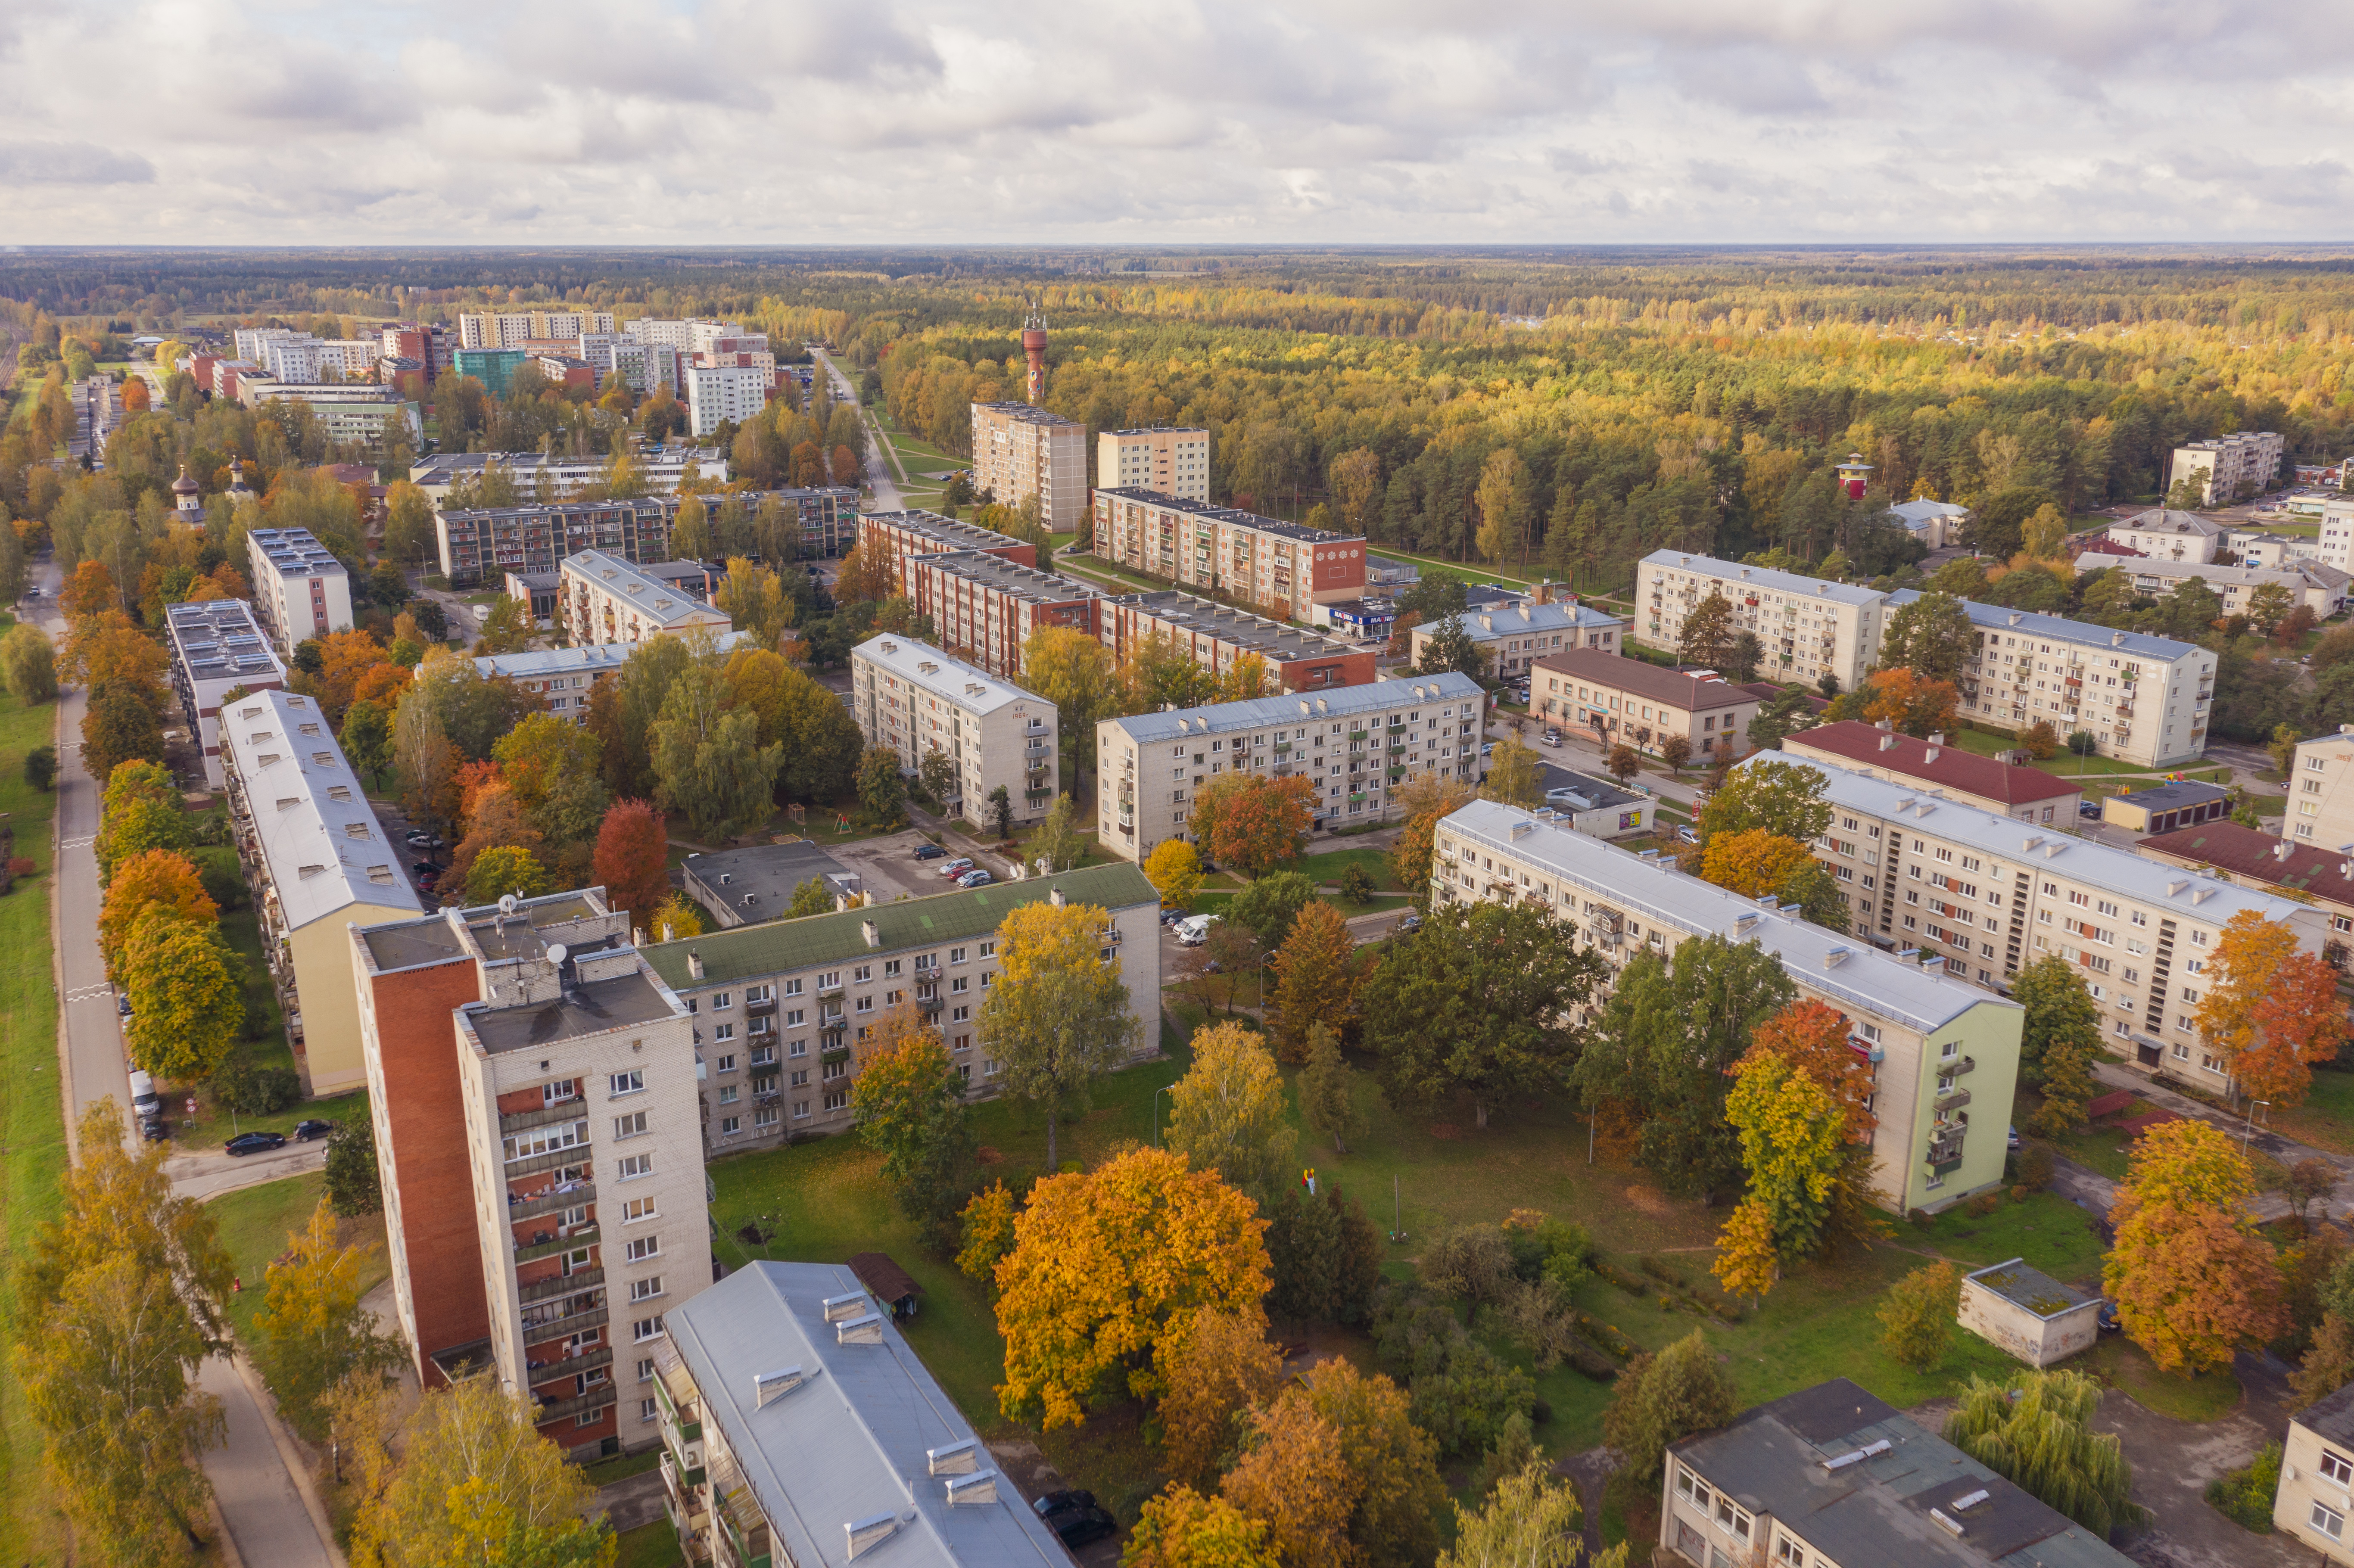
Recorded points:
887,1282
2028,1313
2163,807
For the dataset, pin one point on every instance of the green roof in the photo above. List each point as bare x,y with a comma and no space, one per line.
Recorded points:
781,946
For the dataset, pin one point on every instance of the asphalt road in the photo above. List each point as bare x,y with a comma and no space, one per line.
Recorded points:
878,466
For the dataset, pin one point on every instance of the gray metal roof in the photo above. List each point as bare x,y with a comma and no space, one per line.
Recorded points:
1764,577
850,1442
2295,573
1257,713
1299,532
588,659
1837,965
921,665
218,639
1489,622
2332,1418
2004,837
2060,629
317,833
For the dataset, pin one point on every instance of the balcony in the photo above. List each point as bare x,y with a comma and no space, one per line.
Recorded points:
571,1323
580,1235
578,1280
548,1203
1950,1098
565,1366
532,1164
826,992
930,1005
561,1110
1966,1064
579,1405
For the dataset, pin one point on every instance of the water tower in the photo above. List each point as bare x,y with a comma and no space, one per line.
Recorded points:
1034,348
1854,474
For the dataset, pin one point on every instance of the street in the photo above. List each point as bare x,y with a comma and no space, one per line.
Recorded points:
879,462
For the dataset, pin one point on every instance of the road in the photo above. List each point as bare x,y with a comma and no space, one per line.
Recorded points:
879,462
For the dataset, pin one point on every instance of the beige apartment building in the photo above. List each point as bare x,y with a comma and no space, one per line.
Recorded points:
1990,895
2163,533
512,329
2317,1478
1174,462
1936,1045
1277,566
1515,632
1020,452
915,699
300,590
1808,627
1616,699
2228,468
1947,773
1358,744
2316,584
601,598
2321,791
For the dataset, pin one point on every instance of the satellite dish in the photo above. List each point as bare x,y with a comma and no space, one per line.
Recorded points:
555,952
508,902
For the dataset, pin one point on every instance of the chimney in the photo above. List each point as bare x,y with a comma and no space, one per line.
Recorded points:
872,932
1544,592
1054,896
1936,738
694,964
1929,755
1887,742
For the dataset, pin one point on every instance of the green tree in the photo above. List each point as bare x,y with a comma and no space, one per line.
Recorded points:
1328,1090
28,661
708,759
1916,1316
188,1008
1451,647
2269,605
1661,1398
2057,1007
1356,884
937,775
1793,1143
118,728
812,896
314,1332
1478,1004
502,869
1708,630
2035,1430
1533,1519
1515,775
1784,798
368,739
352,1186
910,1108
1058,840
41,767
1932,636
2069,1084
1228,1112
1001,812
1058,1016
1269,907
1781,718
882,788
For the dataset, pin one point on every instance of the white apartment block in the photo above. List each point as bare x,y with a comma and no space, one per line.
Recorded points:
1991,896
2164,534
1808,627
642,366
687,336
659,471
2317,1479
249,341
2245,463
567,677
218,647
600,597
1934,1044
2336,545
512,329
1356,745
2145,699
719,394
300,590
1517,633
1020,452
2321,791
1166,461
1284,568
2316,584
915,699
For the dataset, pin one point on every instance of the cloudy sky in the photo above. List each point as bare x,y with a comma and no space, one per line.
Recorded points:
278,121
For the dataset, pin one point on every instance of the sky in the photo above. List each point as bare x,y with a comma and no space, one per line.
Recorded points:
932,122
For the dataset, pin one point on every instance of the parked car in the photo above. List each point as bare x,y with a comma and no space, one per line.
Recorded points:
304,1131
2105,1315
122,1004
956,867
155,1129
2089,808
929,851
424,868
1074,1519
1687,835
975,878
1408,922
1195,929
1553,737
255,1142
2014,1141
425,841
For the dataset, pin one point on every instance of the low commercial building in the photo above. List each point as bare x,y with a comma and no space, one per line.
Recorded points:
780,1005
317,860
1935,767
2163,533
566,678
2228,468
1166,461
2144,699
1599,806
532,1088
1219,635
2162,808
1358,744
1515,635
1368,619
1831,1476
2321,790
985,607
895,535
2027,1313
300,590
914,700
1631,701
746,887
1808,627
1990,895
217,647
800,1428
1945,1055
720,395
2316,1484
605,598
660,470
1020,452
1281,567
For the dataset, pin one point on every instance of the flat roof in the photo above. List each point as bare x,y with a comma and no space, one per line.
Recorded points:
1252,633
953,533
1844,965
2165,520
1764,577
849,1443
1693,691
2060,629
921,665
1157,431
1028,413
403,944
768,874
311,821
295,551
781,946
588,657
2004,839
556,509
1290,707
2030,1288
592,1008
1299,532
1941,766
2294,572
2173,793
218,639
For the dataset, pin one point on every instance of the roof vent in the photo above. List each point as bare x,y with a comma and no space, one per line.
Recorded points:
1951,1526
953,1458
837,1307
1887,743
1054,896
973,1491
694,959
769,1385
1857,1456
2015,618
1929,755
866,1330
2116,638
1835,955
1969,1501
871,1532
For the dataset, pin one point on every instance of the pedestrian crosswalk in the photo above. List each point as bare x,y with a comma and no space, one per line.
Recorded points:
90,994
83,842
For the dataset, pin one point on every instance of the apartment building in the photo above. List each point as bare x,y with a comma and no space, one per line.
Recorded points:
2145,699
494,367
1991,895
800,1428
1934,767
694,334
781,1006
1284,568
1935,1043
533,1083
1020,452
718,395
512,329
1163,461
1808,627
1516,633
915,699
300,590
1358,744
895,535
1831,1476
482,547
642,366
986,606
1936,523
1218,635
2251,856
2321,791
2228,468
2163,533
1616,699
605,598
317,860
247,342
2317,1478
216,647
567,677
2313,583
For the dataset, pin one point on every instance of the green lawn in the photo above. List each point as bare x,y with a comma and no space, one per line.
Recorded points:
254,1223
605,1472
2065,764
1467,571
1329,867
2325,1119
653,1545
32,1118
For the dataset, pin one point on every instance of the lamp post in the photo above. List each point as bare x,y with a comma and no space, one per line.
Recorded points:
2250,1125
1262,981
1156,1112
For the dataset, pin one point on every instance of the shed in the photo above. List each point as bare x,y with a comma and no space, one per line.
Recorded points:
2028,1313
887,1282
2163,807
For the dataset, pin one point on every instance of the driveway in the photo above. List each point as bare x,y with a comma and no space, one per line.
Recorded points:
889,867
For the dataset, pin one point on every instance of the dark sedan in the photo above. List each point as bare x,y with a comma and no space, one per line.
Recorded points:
1074,1519
929,851
255,1142
304,1131
155,1129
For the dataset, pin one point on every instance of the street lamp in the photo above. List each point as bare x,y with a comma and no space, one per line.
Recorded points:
2250,1125
1156,1112
1262,981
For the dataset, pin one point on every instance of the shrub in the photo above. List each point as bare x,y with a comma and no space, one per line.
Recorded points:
1920,1218
18,865
1475,1262
2246,1495
2035,1169
1985,1203
1459,1392
249,1090
41,767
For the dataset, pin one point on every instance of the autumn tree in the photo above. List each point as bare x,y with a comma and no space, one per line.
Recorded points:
1339,1471
1932,636
1214,1367
28,664
118,726
1328,1090
908,1101
313,1330
1749,1260
632,859
1782,798
164,880
1180,1528
88,591
1107,1263
1660,1398
1073,671
187,1010
1228,1113
676,918
708,759
1708,631
754,599
1318,972
1755,863
1175,872
1914,704
1058,1017
139,811
1515,775
2300,1020
1253,823
2193,1278
1533,1519
503,869
2035,1430
1917,1315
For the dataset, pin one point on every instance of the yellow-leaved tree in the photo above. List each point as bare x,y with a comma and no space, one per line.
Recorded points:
1174,869
1228,1113
1058,1017
1213,1364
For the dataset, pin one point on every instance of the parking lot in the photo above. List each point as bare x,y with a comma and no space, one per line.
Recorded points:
888,866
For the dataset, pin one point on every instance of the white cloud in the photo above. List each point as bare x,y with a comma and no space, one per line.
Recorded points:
1123,120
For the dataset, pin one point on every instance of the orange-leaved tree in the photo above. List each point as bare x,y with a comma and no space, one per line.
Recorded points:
1213,1365
1914,704
1754,863
2247,956
89,591
1317,972
1180,1528
1813,1038
343,658
1107,1263
2300,1019
156,879
2194,1279
632,859
1253,824
1381,1511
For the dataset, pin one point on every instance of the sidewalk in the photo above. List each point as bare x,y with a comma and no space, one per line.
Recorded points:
2340,1205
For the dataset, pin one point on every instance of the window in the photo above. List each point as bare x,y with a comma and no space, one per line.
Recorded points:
720,998
645,1369
647,1409
2328,1521
727,1064
646,1289
633,1167
561,1089
956,955
988,950
646,1329
540,1140
731,1125
1693,1487
642,1248
1788,1551
718,1031
2336,1467
589,1418
629,1083
636,1209
837,1100
630,1126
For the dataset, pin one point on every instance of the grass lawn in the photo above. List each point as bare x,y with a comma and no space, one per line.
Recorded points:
32,1118
2119,1363
254,1223
605,1472
1433,566
1329,867
653,1545
2325,1119
1985,742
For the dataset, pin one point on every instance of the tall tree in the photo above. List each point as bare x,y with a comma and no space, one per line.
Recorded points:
1318,972
1058,1016
1754,863
908,1100
1253,823
2300,1022
708,759
368,739
187,1010
1516,775
1215,1366
1228,1113
28,663
1793,1141
1784,798
2194,1279
1328,1090
1074,671
1175,872
1661,1398
2057,1007
1180,1528
2035,1430
1388,1490
632,859
1933,637
155,880
1059,840
313,1330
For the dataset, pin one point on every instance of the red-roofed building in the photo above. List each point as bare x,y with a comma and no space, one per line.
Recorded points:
2103,550
2028,794
2256,859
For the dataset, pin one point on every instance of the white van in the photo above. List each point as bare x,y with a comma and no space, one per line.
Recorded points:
143,1102
1195,929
